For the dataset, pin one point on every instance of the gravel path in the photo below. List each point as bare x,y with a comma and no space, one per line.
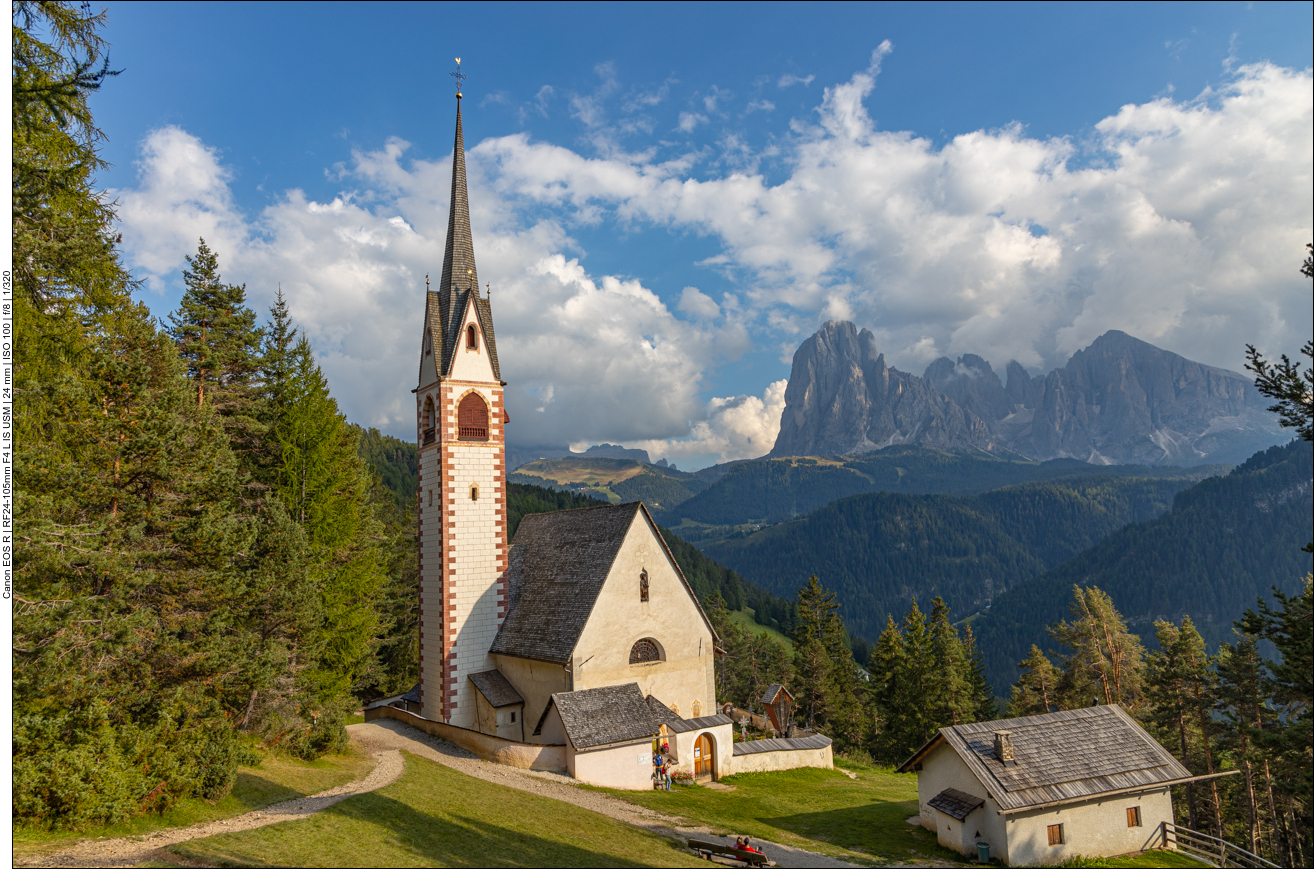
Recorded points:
132,850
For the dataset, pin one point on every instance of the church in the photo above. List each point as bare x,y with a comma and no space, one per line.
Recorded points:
577,645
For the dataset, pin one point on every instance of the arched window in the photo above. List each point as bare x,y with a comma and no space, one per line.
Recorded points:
643,586
428,421
472,418
471,337
646,651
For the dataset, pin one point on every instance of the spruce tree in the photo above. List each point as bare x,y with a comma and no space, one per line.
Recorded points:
811,656
886,665
949,694
1249,723
1035,692
981,694
914,683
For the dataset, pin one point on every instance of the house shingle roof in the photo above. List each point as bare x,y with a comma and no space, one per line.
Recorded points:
662,714
496,689
596,717
1061,756
955,803
556,567
769,696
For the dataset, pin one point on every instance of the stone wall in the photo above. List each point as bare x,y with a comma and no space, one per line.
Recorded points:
775,761
518,754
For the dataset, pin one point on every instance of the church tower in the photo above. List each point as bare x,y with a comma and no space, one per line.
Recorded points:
460,423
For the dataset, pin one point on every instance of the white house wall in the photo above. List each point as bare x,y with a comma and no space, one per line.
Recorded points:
1093,829
626,767
536,681
943,768
686,678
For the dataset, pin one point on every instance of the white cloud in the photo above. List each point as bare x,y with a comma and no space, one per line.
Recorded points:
761,106
1180,221
741,427
690,120
789,80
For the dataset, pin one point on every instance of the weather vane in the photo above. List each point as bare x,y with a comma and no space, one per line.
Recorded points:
459,76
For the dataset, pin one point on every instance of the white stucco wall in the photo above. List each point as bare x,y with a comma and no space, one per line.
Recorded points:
625,767
536,681
470,364
1093,829
941,769
722,735
506,722
670,616
775,761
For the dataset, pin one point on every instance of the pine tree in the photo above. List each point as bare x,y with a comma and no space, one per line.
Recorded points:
1106,661
886,665
811,657
949,696
1035,692
981,694
914,683
1249,723
1179,700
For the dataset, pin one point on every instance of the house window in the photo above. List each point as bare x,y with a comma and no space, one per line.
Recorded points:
1134,816
472,418
645,651
643,586
471,337
513,716
428,422
431,497
474,492
1055,834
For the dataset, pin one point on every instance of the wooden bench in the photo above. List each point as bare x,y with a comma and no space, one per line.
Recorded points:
707,850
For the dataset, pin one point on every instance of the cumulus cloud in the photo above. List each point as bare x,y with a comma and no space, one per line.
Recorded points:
1179,221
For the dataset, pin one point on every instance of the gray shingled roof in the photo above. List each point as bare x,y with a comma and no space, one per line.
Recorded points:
413,695
556,567
596,717
496,689
955,803
1063,756
757,746
662,714
769,695
447,307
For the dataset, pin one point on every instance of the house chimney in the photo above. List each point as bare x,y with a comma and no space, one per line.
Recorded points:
1004,747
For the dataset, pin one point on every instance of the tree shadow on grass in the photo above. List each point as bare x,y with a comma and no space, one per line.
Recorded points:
868,829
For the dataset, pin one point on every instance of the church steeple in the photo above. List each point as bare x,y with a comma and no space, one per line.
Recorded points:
459,273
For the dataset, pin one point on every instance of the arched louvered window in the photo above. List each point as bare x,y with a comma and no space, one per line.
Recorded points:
471,337
472,418
643,586
428,422
645,651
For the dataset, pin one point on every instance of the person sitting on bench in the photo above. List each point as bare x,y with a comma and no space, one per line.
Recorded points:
748,846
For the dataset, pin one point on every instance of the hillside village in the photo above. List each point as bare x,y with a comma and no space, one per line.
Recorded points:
1059,619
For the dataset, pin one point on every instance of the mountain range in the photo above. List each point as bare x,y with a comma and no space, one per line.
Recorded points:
1119,401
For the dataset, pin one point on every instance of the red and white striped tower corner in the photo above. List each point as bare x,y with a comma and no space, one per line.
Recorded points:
462,467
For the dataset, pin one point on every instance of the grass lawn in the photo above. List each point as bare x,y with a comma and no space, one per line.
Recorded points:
435,816
1149,859
277,778
744,618
822,810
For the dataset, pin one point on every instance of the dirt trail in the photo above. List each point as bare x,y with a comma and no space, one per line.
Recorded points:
132,850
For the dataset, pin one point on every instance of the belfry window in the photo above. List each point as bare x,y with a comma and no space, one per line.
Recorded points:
471,337
646,651
472,418
428,422
643,586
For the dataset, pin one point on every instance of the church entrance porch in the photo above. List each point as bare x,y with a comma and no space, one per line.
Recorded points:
704,758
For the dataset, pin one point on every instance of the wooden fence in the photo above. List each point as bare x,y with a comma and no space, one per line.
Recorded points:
1213,851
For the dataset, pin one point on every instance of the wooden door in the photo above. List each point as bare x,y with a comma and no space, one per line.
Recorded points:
703,757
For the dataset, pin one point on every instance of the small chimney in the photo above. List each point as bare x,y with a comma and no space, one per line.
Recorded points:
1004,747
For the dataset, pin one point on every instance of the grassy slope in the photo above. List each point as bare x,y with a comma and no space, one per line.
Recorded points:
821,810
435,816
744,618
276,779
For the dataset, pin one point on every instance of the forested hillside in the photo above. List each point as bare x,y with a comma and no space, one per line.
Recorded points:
1224,544
767,491
878,552
201,558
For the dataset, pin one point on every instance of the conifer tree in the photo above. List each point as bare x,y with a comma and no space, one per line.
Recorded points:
1179,686
886,665
826,675
1250,722
982,696
915,682
1105,663
949,695
1035,692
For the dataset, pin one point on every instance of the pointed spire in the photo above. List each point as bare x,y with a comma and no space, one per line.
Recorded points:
459,273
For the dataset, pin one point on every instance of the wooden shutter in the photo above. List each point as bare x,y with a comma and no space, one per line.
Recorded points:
472,418
1134,816
1056,834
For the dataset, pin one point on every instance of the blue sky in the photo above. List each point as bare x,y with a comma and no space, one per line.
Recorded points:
668,198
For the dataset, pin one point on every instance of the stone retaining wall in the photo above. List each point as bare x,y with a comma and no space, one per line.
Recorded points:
493,748
774,761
